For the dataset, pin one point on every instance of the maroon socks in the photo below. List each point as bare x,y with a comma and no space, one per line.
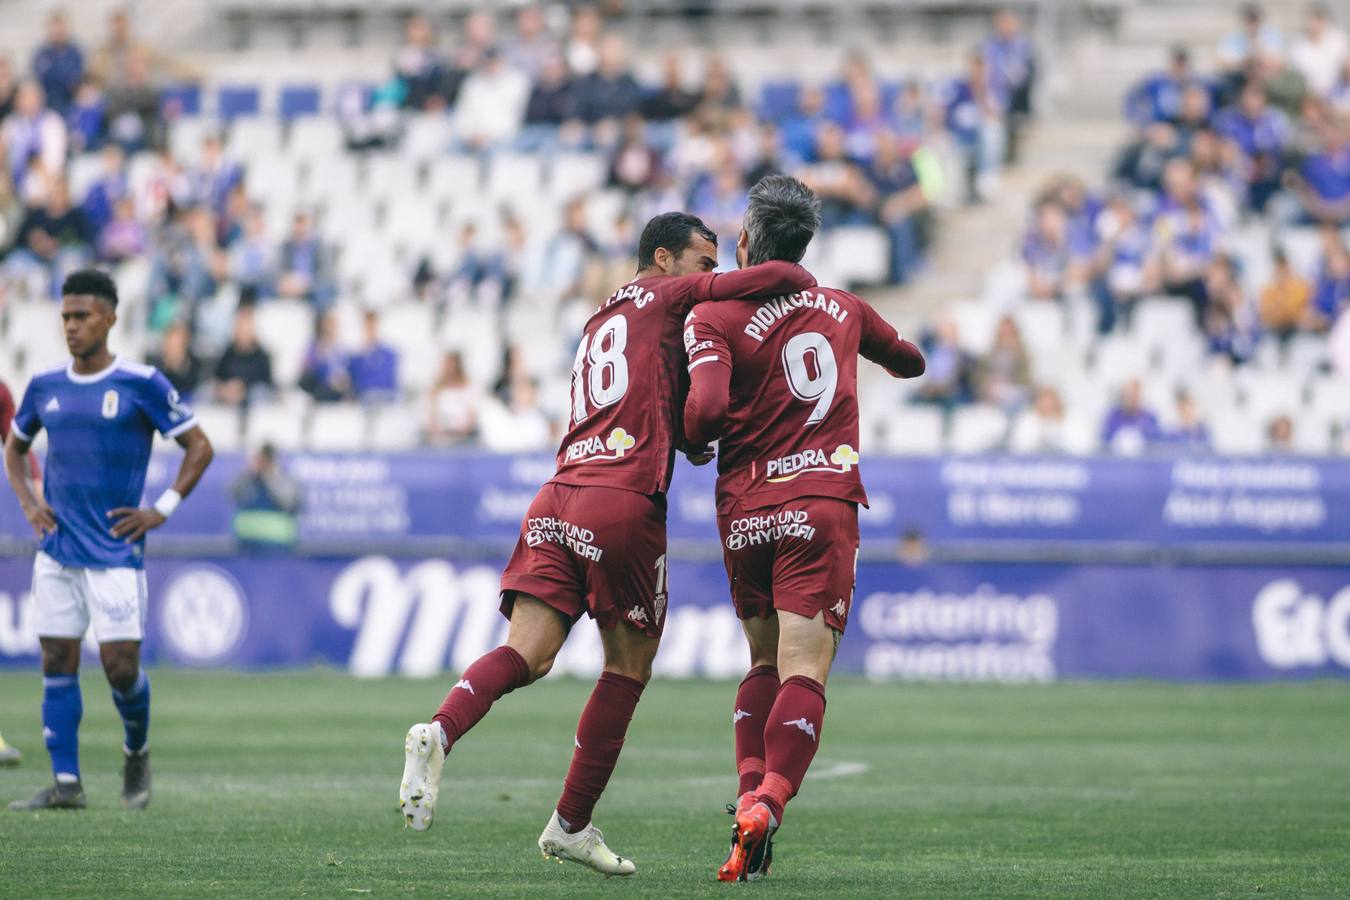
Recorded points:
600,734
791,737
754,699
493,674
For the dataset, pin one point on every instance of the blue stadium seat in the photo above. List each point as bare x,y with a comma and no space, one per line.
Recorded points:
838,104
238,101
298,100
778,99
181,99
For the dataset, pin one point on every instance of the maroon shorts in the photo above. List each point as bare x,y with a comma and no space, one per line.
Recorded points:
593,549
800,556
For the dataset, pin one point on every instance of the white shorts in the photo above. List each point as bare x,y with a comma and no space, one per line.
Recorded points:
68,599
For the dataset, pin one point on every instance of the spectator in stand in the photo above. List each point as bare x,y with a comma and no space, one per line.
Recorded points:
671,100
800,130
32,130
304,267
1143,161
1156,100
113,61
1280,435
267,501
478,41
133,106
86,118
1124,269
9,87
949,369
552,99
1320,51
477,273
1322,184
846,196
426,82
769,157
1186,235
1331,297
1231,325
453,405
866,122
58,64
1191,434
103,195
491,105
610,92
214,177
720,92
374,370
1003,375
1054,270
253,255
186,267
1253,41
1219,179
532,47
244,372
326,376
1340,94
125,237
903,208
583,42
1130,428
1262,134
519,425
566,258
976,112
1043,428
911,112
54,238
177,361
1284,304
1012,67
635,164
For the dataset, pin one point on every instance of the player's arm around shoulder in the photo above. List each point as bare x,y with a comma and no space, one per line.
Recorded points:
767,279
881,343
709,355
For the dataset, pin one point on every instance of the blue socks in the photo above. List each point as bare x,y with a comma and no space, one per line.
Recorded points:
62,709
134,705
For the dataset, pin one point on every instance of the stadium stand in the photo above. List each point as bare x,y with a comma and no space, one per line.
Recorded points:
344,194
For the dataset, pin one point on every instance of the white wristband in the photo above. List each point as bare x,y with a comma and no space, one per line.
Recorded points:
168,502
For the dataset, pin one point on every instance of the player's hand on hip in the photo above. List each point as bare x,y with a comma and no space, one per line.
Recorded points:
41,517
131,523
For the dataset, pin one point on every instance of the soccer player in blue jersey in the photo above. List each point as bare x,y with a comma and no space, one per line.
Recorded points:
101,414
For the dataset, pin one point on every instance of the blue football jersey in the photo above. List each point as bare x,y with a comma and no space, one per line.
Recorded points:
100,430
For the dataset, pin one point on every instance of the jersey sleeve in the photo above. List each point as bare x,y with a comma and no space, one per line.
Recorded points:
27,423
709,355
164,408
884,346
767,279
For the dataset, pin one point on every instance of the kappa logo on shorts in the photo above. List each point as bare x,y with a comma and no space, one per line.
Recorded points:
786,468
637,615
840,610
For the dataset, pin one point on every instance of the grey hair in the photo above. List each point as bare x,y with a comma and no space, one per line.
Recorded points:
782,217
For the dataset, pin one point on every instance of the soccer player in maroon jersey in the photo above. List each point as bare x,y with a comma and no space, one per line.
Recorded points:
594,538
776,380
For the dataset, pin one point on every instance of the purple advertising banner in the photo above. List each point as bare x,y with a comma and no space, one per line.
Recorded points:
378,499
374,616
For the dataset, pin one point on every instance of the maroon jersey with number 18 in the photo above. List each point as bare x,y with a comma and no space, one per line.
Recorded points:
790,426
628,382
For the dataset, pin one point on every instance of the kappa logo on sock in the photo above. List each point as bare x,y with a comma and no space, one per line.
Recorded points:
804,725
740,714
464,683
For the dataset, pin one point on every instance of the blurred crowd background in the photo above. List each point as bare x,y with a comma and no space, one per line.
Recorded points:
403,254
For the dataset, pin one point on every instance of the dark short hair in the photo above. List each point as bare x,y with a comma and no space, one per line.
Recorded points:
90,282
780,220
674,231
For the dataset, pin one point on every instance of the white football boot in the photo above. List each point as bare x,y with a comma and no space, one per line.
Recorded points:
423,759
587,847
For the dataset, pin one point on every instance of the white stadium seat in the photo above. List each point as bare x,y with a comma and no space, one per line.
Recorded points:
1042,326
186,136
85,169
860,254
454,178
573,174
315,137
223,426
279,424
976,322
337,427
286,329
397,427
428,136
1266,394
977,429
513,175
913,431
253,138
1236,432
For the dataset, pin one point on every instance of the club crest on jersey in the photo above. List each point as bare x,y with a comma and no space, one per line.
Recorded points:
110,404
593,448
786,468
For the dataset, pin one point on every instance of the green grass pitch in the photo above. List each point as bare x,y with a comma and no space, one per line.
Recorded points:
286,785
